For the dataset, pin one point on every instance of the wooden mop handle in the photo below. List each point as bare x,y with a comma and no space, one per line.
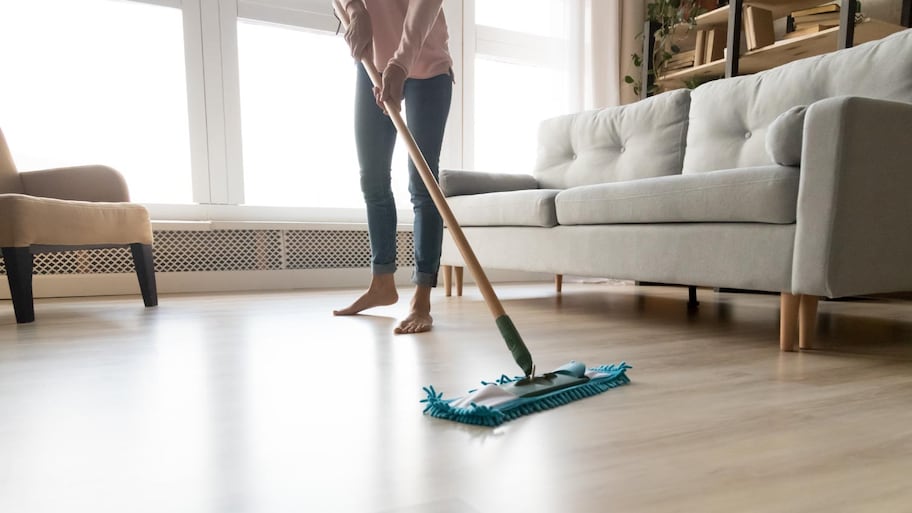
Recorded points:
484,285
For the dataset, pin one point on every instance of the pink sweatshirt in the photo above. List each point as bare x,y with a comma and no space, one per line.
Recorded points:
411,34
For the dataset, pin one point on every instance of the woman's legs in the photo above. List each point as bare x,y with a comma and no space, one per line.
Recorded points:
427,105
375,138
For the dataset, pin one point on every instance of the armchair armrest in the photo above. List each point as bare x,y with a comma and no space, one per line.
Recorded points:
460,183
83,183
854,199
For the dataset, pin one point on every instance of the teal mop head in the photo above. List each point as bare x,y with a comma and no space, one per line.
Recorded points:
508,398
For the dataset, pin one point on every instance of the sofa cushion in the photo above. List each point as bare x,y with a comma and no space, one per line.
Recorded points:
633,141
455,182
756,195
516,208
729,118
783,140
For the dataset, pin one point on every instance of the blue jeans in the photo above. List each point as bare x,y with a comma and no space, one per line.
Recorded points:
427,105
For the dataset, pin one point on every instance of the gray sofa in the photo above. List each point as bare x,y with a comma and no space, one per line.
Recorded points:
796,180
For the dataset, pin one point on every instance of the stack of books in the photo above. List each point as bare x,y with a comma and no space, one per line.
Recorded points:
680,60
710,45
812,20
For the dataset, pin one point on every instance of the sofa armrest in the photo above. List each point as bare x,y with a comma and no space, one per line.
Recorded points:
82,183
854,199
460,183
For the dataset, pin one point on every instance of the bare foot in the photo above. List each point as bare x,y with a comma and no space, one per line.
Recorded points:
382,292
419,319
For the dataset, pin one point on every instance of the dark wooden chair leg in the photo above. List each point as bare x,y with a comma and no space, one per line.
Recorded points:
18,263
145,271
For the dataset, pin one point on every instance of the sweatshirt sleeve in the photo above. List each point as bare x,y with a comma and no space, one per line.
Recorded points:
419,21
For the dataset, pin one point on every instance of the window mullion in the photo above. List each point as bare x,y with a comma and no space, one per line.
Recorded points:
231,90
452,156
196,100
576,49
468,84
215,100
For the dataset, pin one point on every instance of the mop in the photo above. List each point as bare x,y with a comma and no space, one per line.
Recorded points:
505,398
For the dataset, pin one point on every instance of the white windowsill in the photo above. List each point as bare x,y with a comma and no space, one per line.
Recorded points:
259,214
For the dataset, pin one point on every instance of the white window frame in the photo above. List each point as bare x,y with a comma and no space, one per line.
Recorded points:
523,49
213,96
213,90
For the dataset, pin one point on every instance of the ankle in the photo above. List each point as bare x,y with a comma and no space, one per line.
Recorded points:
422,298
383,282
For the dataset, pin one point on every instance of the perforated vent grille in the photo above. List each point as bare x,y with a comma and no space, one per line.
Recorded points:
231,250
218,250
110,260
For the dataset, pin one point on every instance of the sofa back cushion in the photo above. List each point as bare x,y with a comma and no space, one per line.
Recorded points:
640,140
729,118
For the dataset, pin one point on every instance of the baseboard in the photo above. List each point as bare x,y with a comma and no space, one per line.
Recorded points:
87,285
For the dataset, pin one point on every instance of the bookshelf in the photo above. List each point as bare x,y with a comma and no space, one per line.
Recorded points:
729,18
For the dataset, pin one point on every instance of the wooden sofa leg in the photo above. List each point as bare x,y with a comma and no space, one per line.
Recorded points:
558,283
18,262
145,272
807,321
447,272
459,275
788,320
692,302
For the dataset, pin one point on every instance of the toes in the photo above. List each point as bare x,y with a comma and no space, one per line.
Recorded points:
409,326
414,328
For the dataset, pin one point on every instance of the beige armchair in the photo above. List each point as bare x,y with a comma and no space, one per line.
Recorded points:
66,209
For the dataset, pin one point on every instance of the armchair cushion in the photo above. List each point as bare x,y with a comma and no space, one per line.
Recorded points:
28,220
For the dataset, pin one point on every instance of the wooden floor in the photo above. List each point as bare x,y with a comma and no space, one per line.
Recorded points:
266,403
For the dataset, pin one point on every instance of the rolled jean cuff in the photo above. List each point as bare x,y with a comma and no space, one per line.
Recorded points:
425,279
383,268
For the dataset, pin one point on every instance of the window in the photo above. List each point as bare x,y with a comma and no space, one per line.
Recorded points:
249,102
522,69
298,119
538,17
98,82
510,102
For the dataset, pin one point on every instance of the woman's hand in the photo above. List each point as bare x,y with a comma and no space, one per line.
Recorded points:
359,35
392,85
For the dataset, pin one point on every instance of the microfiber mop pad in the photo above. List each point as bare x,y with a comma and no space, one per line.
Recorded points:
509,398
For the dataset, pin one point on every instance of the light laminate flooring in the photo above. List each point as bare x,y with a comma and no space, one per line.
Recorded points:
265,402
